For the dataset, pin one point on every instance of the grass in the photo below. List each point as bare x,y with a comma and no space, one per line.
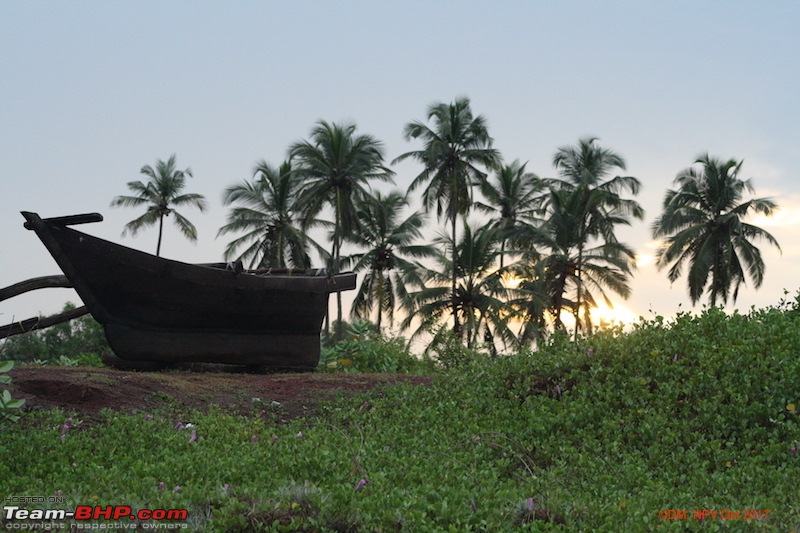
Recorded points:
619,432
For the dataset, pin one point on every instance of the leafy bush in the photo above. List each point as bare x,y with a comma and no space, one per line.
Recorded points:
8,406
699,412
79,341
365,350
450,353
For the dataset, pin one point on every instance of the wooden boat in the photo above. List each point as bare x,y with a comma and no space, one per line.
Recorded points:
156,309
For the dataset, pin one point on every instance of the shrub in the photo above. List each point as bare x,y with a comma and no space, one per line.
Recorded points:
8,406
450,353
365,350
79,341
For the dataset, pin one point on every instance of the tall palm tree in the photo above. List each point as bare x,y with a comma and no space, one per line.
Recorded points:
388,242
514,199
575,266
600,207
161,194
480,298
337,166
702,224
264,208
457,153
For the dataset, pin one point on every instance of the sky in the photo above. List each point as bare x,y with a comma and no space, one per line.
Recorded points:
92,91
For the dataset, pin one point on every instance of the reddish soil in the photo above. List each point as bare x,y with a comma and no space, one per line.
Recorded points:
86,390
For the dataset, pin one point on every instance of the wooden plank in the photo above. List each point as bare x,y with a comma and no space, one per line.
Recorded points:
31,324
32,284
70,220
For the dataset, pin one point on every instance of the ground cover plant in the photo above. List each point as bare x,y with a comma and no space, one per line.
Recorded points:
615,432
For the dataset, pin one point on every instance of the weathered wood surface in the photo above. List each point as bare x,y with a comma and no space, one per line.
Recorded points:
33,284
71,220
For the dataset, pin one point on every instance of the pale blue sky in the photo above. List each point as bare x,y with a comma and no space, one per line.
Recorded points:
91,91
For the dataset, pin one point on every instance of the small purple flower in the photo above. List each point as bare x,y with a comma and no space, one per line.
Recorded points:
275,438
590,352
558,390
148,417
529,503
299,435
793,449
58,492
177,489
473,506
193,436
162,486
68,422
179,426
361,484
225,488
64,431
263,412
254,438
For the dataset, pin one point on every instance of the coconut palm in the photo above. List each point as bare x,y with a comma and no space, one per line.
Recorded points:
531,301
337,166
388,244
479,296
456,155
573,271
264,208
599,206
161,194
514,199
702,227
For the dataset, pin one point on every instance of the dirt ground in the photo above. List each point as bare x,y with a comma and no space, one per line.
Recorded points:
86,391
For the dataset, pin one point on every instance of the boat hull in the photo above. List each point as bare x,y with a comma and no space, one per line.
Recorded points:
156,309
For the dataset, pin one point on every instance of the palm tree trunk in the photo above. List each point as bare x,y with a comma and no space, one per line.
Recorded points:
578,298
454,279
337,243
380,300
160,232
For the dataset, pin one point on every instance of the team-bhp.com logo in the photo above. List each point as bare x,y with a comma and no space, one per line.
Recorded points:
12,514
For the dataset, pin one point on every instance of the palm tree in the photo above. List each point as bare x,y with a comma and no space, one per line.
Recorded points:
479,295
388,243
162,193
456,150
702,224
531,302
515,199
265,211
599,206
573,265
337,167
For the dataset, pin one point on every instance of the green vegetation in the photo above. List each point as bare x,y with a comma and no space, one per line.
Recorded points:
8,405
365,349
78,342
694,413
